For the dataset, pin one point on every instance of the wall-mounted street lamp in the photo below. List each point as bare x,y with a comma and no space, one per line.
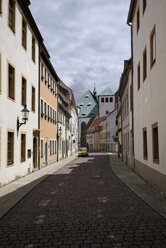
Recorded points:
25,114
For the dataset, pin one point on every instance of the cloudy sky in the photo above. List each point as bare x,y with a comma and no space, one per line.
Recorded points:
88,40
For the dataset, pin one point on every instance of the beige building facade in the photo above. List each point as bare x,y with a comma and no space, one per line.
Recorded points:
147,20
48,110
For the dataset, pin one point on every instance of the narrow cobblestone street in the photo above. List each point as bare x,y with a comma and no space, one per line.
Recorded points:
83,205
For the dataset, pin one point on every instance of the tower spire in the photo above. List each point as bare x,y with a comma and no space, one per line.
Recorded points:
94,91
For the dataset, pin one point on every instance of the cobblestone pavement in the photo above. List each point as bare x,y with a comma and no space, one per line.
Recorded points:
83,205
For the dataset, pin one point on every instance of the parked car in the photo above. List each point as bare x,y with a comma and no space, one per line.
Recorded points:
82,152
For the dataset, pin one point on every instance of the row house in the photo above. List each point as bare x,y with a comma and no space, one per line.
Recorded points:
111,129
48,109
19,90
67,122
74,125
29,98
147,20
93,133
124,118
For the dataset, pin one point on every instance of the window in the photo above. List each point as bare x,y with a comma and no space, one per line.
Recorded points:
41,149
11,19
0,6
48,111
102,99
42,72
45,109
144,6
0,74
145,144
55,147
155,143
144,64
111,99
24,92
106,99
41,107
45,76
106,112
50,114
50,147
23,147
152,47
33,98
10,148
33,48
24,33
138,76
138,20
11,82
55,117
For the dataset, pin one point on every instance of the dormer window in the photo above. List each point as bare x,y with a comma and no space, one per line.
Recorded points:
81,105
89,104
86,96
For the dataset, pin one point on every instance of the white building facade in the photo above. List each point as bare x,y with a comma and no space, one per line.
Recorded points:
74,129
19,66
106,101
149,59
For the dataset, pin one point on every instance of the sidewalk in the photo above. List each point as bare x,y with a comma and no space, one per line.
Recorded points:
145,191
12,193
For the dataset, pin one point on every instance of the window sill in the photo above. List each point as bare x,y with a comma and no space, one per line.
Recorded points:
152,63
156,161
12,29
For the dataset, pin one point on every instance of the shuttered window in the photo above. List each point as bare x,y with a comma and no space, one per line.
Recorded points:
11,82
10,148
11,19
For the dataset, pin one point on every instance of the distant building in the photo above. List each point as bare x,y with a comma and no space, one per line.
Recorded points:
111,129
106,101
88,105
147,20
93,133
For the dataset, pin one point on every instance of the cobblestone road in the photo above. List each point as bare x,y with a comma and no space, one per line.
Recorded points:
83,205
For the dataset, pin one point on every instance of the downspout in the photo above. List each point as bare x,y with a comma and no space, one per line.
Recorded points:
57,121
39,107
132,88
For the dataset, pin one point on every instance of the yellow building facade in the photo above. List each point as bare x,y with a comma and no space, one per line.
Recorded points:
48,111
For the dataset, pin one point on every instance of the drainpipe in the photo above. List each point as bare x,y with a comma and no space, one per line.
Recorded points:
57,122
39,107
132,88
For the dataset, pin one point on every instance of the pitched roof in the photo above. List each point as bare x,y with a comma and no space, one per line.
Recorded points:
96,123
88,105
107,92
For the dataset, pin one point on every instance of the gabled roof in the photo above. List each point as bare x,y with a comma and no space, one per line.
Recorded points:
97,121
88,105
96,124
107,92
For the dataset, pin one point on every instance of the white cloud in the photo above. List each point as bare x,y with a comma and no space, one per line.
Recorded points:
88,40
